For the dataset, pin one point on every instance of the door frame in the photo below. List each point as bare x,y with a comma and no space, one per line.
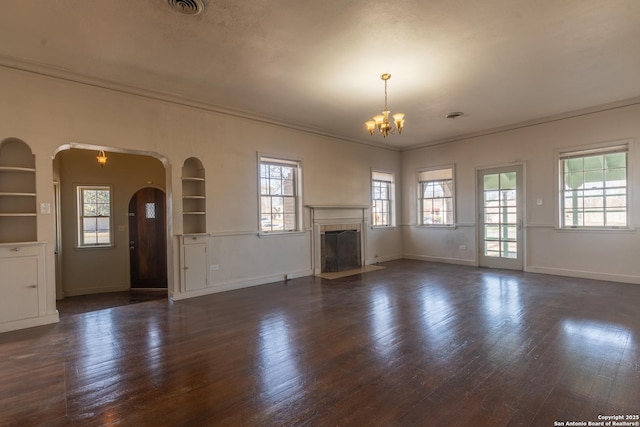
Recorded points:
522,205
172,279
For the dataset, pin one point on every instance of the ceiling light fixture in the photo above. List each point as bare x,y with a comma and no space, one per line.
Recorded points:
102,158
381,122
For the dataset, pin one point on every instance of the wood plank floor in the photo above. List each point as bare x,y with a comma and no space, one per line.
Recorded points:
415,343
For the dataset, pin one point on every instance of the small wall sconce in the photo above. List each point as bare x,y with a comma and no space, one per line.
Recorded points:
102,158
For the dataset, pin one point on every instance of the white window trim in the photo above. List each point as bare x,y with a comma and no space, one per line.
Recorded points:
264,157
602,146
79,216
392,198
419,217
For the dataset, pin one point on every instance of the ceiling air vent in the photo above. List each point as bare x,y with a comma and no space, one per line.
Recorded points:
454,115
186,7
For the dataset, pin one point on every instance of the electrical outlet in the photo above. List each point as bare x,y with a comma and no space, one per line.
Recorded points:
213,267
463,247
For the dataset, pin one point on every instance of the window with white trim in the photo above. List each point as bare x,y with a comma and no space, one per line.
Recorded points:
94,216
279,195
382,196
593,188
436,199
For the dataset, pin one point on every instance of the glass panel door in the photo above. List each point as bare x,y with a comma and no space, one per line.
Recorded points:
500,217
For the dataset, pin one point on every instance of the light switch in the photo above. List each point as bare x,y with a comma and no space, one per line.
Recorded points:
45,208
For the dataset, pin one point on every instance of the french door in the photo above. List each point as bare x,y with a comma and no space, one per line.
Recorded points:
500,217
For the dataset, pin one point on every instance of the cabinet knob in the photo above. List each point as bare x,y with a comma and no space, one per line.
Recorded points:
33,286
185,268
15,249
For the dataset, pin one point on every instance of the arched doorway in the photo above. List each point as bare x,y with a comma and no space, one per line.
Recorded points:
147,239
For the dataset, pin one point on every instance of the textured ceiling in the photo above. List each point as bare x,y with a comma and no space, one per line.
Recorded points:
317,64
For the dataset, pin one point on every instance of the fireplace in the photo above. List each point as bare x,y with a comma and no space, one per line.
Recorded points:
339,238
340,250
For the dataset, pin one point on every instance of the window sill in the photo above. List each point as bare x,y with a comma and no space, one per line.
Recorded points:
382,227
90,247
437,226
597,229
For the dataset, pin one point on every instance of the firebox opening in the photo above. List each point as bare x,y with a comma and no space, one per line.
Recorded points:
340,250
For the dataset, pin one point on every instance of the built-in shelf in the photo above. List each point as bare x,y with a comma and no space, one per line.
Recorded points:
193,197
18,213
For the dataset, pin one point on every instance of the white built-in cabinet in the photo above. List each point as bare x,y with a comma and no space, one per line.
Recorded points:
194,262
194,256
23,284
23,287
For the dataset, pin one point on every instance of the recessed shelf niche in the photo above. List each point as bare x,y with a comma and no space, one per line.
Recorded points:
194,219
18,214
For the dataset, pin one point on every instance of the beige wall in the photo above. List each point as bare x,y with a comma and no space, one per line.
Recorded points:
49,113
93,270
611,255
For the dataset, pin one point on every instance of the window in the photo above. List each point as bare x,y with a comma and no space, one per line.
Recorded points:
94,216
382,195
594,188
436,197
279,195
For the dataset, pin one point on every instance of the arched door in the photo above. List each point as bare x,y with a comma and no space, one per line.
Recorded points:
147,239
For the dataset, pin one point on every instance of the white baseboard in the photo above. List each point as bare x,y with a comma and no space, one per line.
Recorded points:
458,261
622,278
29,323
239,284
89,291
385,258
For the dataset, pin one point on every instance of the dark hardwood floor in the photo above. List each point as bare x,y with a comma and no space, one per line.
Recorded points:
416,343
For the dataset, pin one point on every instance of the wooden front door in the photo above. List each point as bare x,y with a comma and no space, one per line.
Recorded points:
147,239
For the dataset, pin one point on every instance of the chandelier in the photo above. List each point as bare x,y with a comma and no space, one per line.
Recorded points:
381,121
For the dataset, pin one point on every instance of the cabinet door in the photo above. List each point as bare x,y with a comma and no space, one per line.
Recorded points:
194,270
19,288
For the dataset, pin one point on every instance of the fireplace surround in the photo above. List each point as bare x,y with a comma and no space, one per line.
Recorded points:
338,237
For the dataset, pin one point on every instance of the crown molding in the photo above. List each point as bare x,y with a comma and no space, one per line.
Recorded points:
529,123
68,75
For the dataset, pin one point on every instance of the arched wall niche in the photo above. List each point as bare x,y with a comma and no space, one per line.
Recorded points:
194,216
18,214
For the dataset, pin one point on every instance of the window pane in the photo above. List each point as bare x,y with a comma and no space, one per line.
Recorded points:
290,205
590,205
616,177
90,210
491,182
593,163
574,180
150,210
617,218
508,180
